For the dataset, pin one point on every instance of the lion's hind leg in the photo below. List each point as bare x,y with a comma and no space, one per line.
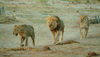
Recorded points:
33,40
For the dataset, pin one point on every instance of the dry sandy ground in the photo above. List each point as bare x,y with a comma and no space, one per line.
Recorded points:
9,44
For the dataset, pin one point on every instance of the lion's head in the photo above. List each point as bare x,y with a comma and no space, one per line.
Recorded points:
16,30
83,18
52,22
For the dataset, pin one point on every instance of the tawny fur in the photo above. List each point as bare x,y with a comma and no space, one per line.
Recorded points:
56,25
84,25
24,31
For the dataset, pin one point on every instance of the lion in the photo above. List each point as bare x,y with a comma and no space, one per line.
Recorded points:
84,25
56,26
24,31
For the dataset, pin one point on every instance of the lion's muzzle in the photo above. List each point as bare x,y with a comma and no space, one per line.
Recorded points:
16,34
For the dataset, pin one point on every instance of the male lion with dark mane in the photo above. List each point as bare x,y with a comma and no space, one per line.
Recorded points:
56,25
84,25
24,31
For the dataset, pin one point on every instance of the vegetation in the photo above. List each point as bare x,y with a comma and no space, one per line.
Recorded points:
88,1
4,19
70,0
43,0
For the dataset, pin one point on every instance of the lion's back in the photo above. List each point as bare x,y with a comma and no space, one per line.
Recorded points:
28,29
24,29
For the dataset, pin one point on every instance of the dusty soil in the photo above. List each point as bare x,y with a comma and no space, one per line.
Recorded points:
71,46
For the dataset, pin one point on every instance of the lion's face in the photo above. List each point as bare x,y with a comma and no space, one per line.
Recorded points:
16,30
52,24
83,19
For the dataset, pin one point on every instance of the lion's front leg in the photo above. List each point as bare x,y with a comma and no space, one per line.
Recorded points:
86,31
81,34
57,35
21,42
26,42
61,36
54,40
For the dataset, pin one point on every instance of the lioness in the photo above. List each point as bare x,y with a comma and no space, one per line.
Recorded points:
84,25
24,31
56,25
